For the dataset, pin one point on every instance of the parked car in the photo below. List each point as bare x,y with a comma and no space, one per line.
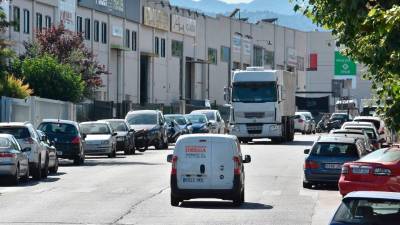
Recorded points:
125,135
369,129
377,122
183,122
14,163
360,134
207,166
342,117
377,171
174,131
53,159
100,139
301,123
200,123
150,127
368,208
67,137
311,124
324,161
217,124
27,137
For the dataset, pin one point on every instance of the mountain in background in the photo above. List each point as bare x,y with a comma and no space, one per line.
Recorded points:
255,11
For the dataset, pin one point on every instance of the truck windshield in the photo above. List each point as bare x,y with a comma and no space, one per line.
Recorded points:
254,92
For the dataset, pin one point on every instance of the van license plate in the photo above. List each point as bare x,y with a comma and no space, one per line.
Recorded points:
192,180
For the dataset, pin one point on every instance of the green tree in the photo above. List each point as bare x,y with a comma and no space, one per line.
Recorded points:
368,31
51,79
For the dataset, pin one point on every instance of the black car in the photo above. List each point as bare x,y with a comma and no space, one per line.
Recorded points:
66,136
150,129
125,135
200,123
173,130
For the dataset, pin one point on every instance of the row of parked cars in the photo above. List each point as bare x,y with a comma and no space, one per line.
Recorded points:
28,151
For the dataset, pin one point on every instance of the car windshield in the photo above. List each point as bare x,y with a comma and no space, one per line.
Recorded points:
58,128
95,128
118,125
4,143
382,155
368,130
142,118
249,92
335,149
368,211
17,132
197,118
376,123
180,120
209,115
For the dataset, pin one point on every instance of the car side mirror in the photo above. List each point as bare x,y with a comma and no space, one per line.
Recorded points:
190,124
247,159
306,151
169,158
27,149
131,130
84,136
114,134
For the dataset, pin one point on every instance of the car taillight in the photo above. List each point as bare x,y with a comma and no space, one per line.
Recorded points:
76,140
7,155
382,172
345,170
237,170
301,121
28,140
174,160
311,165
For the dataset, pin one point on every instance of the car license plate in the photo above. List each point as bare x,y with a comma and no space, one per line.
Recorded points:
360,170
59,153
333,166
192,180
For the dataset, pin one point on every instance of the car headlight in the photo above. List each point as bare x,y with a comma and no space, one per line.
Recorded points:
105,142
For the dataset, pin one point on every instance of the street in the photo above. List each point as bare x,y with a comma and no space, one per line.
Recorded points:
135,190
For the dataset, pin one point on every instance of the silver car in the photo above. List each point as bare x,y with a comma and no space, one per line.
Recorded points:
14,163
100,139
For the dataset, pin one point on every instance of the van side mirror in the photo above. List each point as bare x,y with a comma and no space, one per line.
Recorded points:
306,151
247,159
114,134
132,130
27,149
169,158
84,136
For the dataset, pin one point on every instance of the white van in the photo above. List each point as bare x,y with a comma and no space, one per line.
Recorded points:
207,166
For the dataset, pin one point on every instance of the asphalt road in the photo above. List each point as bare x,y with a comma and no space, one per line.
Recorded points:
135,190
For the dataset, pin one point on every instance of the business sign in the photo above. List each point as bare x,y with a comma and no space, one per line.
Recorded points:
344,66
236,43
66,13
291,57
183,25
246,46
117,5
117,31
156,18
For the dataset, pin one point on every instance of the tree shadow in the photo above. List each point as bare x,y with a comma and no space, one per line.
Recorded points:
224,205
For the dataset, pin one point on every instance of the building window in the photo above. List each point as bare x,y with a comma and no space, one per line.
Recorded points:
225,54
163,47
269,58
48,22
134,40
39,22
87,29
212,55
17,19
257,56
79,24
177,48
26,21
96,31
104,33
127,38
157,46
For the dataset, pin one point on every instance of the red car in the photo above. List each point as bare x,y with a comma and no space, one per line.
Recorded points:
377,171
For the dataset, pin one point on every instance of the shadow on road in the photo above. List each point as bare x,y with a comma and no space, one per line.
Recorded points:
293,143
325,187
91,162
224,205
29,183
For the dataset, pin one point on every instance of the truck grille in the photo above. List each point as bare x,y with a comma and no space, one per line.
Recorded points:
251,115
254,128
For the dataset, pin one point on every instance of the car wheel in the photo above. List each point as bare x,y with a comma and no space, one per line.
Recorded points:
307,185
54,169
133,150
45,170
25,178
175,201
15,178
242,196
113,154
37,172
79,160
237,199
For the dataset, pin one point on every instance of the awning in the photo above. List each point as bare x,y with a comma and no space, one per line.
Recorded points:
150,54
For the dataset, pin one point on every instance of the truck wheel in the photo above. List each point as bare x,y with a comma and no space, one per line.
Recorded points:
175,201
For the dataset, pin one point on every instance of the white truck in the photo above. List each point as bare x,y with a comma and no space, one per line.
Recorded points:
262,104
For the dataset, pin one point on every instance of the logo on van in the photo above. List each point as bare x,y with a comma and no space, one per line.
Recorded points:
195,149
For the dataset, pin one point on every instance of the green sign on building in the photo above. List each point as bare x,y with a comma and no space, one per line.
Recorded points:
344,66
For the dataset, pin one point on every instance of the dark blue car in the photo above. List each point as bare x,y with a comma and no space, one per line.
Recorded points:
200,123
324,161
